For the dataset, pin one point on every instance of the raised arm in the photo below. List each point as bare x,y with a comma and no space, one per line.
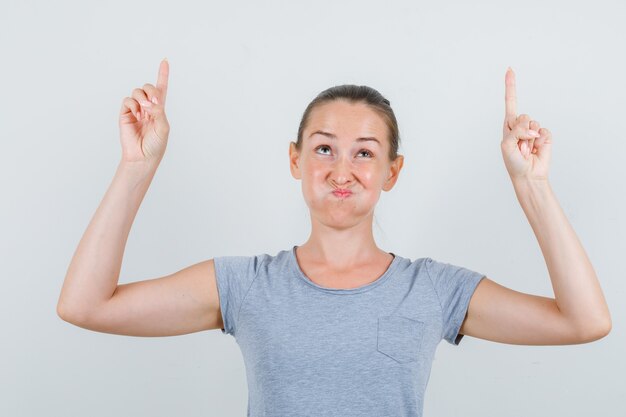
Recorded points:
90,296
578,313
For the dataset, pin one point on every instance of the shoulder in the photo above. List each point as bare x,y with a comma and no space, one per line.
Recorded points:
251,263
416,266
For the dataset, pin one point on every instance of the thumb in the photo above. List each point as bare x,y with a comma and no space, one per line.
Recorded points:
162,126
544,143
160,122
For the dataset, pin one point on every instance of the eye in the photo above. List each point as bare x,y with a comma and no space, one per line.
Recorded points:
322,147
367,153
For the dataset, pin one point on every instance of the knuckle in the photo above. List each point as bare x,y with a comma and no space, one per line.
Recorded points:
510,123
520,130
514,124
138,93
130,102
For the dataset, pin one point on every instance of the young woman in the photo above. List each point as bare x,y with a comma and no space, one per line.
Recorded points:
335,326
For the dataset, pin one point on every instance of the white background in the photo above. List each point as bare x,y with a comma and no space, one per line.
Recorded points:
241,74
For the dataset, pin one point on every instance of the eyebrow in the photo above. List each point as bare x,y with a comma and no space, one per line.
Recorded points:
332,136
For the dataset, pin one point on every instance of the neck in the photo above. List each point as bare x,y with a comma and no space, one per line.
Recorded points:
341,248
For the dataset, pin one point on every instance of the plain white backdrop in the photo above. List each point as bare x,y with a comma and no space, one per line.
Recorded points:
241,74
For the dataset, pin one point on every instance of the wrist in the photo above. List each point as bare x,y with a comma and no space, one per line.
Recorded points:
138,168
136,173
530,182
532,193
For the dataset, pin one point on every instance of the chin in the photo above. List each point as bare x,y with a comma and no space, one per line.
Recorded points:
337,225
341,220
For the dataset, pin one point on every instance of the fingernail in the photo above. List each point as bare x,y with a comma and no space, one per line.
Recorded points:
145,103
154,100
533,132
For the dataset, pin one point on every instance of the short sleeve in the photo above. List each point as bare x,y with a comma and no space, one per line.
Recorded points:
234,276
454,286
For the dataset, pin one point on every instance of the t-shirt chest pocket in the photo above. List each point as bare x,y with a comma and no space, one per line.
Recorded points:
400,338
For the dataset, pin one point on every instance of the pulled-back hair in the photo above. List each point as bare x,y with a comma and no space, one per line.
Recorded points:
357,94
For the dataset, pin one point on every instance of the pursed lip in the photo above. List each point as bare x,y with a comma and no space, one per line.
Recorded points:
342,191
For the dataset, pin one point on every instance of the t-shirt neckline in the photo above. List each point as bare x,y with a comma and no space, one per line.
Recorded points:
384,277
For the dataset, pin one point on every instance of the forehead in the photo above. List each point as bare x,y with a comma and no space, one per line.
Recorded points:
346,119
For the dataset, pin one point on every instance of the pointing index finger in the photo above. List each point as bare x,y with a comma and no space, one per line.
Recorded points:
164,72
510,97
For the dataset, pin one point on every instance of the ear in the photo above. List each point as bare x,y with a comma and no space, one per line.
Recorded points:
294,161
394,171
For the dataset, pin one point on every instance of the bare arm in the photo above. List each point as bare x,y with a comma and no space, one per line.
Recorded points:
578,313
576,287
93,273
183,302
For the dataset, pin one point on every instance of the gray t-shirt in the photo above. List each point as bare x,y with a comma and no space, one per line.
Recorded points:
310,350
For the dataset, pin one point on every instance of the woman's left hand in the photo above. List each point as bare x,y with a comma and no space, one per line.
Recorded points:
526,147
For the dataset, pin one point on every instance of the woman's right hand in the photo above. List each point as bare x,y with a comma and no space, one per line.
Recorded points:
144,128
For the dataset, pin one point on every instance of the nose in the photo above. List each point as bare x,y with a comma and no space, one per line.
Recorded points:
341,171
